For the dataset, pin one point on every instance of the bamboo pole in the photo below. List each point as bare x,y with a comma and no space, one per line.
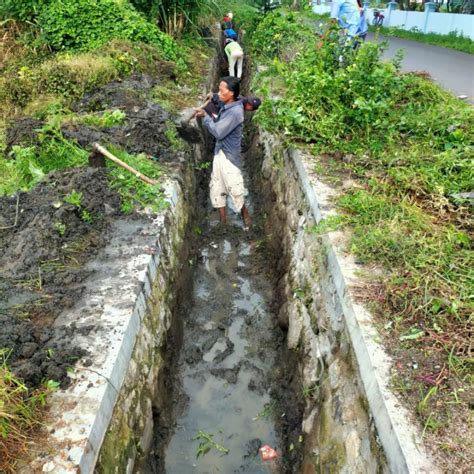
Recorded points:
119,162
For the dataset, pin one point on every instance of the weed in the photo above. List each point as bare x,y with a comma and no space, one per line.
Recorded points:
206,443
74,198
20,413
171,134
311,391
328,224
203,166
134,192
423,405
267,411
86,216
60,228
107,119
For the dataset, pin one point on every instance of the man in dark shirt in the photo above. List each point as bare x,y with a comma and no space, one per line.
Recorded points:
226,178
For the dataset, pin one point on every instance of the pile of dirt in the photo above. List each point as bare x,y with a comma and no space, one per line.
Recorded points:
23,132
146,122
144,132
41,267
46,240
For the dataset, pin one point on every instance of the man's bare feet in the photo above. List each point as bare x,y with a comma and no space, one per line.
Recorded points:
246,218
222,215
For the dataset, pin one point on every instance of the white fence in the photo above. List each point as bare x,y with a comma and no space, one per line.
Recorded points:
425,22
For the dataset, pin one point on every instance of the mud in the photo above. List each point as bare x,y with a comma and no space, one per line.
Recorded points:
41,268
42,262
230,373
146,122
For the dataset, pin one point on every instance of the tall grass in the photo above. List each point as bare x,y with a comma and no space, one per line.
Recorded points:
20,414
177,16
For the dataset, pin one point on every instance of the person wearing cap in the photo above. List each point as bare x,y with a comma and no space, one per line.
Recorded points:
251,103
226,177
235,56
230,33
213,105
227,22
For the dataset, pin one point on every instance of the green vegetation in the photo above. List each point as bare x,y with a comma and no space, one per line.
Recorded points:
177,16
133,191
74,198
84,25
20,413
206,443
110,118
408,147
452,40
30,164
52,53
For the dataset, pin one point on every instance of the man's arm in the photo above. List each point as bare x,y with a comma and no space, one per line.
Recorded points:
224,125
335,5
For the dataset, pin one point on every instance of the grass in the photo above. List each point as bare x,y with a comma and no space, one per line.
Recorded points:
206,443
408,146
453,40
21,412
134,192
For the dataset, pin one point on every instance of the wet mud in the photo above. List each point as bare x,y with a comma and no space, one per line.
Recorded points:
45,242
41,269
231,376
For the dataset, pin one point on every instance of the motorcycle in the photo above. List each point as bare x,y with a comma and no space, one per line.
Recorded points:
378,18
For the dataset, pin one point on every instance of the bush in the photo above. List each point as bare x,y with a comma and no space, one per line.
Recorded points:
24,10
277,32
83,25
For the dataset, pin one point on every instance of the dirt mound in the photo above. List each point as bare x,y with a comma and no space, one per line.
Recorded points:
50,232
41,266
23,132
144,132
126,95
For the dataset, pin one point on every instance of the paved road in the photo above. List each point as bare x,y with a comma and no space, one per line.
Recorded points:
451,69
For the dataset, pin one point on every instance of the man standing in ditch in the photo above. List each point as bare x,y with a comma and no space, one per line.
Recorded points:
226,177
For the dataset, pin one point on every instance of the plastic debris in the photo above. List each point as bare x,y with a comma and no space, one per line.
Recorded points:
268,453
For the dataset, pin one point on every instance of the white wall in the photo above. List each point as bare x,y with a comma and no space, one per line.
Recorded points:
426,22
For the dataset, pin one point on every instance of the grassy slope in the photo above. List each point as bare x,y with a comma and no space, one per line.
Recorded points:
409,147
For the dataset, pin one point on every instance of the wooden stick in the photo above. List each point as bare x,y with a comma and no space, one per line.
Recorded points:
119,162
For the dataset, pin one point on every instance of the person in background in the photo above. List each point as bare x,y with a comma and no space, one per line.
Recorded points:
229,33
251,103
347,14
226,177
213,105
362,27
235,56
227,22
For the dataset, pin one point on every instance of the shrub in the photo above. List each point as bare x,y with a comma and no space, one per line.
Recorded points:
277,32
24,10
87,24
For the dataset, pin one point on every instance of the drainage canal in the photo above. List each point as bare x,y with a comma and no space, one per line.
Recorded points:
232,382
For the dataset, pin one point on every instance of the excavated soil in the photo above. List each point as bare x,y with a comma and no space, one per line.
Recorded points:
45,241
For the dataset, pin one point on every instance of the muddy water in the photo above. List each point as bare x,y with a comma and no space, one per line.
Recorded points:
226,376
